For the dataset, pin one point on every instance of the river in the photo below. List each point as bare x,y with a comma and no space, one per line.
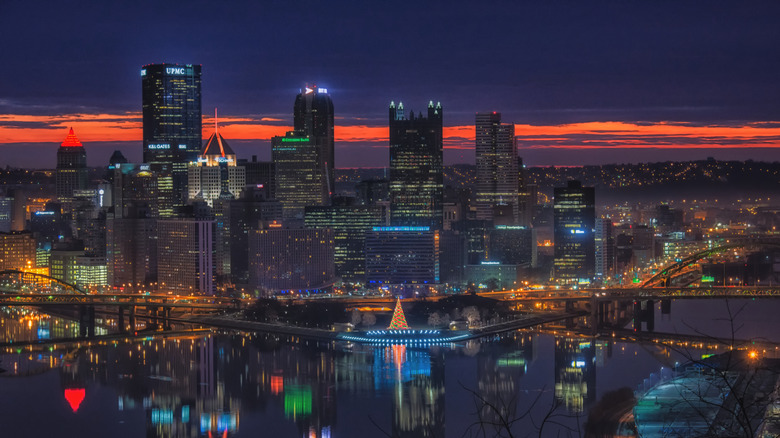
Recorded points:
222,383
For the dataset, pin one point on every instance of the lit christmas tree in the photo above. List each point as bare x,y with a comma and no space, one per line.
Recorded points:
399,320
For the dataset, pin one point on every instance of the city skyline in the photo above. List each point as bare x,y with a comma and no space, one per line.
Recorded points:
583,84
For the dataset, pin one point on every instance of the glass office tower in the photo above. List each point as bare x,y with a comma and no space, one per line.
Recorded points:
573,230
416,173
172,119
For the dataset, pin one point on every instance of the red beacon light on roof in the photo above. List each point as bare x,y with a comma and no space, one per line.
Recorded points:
71,140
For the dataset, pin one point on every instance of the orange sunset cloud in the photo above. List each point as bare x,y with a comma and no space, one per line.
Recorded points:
128,127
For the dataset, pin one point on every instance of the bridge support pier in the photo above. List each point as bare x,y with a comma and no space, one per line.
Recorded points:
649,315
666,307
87,321
83,321
120,324
637,316
132,318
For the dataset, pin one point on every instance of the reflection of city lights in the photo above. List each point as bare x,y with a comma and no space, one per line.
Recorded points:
75,396
277,384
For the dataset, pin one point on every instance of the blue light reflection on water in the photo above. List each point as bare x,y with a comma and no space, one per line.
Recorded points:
202,384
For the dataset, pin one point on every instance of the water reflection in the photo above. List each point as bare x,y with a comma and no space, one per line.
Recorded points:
229,384
575,373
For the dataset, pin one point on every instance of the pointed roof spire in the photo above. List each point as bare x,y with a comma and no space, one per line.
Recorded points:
71,141
399,320
216,145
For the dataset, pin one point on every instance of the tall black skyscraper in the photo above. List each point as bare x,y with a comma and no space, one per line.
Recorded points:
172,119
574,224
72,172
497,172
416,161
313,117
303,158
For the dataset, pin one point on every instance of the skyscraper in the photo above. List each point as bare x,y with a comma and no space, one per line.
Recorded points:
172,119
349,224
185,256
416,174
402,255
574,222
290,260
72,172
313,117
215,175
497,166
299,183
303,158
605,248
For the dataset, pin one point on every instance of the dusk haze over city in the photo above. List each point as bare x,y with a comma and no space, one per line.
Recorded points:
586,82
389,219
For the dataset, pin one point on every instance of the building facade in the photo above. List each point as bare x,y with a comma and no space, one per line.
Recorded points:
349,224
574,220
131,249
72,173
497,171
172,119
291,260
215,175
17,251
402,255
299,181
313,117
512,245
185,256
416,167
604,241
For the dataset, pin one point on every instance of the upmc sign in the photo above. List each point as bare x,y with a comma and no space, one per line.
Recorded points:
175,70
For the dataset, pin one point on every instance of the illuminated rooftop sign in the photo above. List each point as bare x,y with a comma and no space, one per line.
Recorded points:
175,70
294,139
158,146
491,263
391,229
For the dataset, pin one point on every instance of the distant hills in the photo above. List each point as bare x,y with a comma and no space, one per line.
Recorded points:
669,180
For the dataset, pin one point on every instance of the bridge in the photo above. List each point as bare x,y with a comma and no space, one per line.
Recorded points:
665,276
120,300
643,293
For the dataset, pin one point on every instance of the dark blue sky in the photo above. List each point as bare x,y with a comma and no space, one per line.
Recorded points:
539,63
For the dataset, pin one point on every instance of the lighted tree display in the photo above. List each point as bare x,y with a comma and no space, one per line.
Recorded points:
399,320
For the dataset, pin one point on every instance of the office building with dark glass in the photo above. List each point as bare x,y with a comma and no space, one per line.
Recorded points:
299,183
402,255
497,166
172,118
303,158
72,172
416,161
349,224
574,216
313,117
